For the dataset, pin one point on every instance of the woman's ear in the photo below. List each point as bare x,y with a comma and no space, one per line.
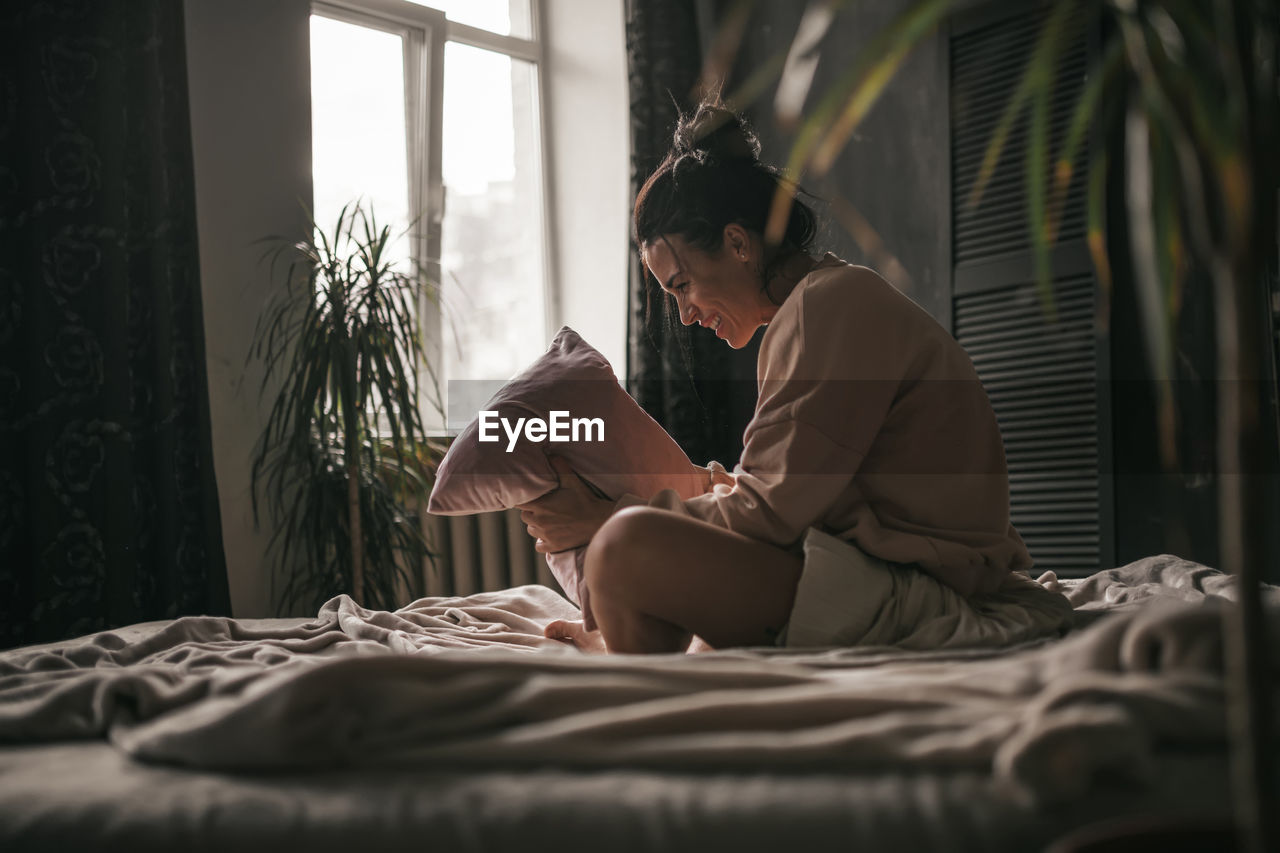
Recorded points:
737,241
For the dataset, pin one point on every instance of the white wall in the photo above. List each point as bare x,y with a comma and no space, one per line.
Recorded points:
248,64
590,158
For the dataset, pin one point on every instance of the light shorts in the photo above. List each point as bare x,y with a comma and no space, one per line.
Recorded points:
847,597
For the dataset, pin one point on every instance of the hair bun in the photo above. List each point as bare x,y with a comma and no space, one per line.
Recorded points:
717,132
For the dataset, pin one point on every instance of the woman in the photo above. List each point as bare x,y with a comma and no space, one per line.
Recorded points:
872,468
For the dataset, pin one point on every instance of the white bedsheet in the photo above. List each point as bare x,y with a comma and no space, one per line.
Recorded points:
470,682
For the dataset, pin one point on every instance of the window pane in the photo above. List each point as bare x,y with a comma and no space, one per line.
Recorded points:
508,17
358,124
492,253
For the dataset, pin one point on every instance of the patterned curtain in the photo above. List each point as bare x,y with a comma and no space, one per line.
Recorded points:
108,510
684,377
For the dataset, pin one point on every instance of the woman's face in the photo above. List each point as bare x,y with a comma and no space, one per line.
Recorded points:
720,290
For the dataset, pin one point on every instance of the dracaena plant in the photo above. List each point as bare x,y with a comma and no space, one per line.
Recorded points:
344,461
1190,87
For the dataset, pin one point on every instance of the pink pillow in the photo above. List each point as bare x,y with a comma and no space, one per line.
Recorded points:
636,455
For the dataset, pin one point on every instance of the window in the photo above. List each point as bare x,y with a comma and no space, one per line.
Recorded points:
358,122
431,111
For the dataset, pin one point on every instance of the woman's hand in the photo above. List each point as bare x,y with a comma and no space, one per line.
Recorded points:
566,517
715,475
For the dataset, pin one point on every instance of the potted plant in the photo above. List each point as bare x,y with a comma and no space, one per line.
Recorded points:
1192,89
344,462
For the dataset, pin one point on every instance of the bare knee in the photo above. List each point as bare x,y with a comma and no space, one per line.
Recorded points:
622,547
627,596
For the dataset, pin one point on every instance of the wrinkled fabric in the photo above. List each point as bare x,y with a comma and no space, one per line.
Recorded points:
471,682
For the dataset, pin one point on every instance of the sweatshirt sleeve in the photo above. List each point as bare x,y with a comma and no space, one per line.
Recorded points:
828,376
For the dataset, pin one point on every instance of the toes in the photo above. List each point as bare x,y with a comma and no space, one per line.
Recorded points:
560,629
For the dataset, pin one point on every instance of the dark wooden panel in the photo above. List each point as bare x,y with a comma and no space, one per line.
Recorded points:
1041,360
987,64
1041,375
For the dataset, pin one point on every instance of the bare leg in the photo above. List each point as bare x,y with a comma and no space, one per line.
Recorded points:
657,578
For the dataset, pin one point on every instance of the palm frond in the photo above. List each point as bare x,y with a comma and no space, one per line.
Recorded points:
822,135
344,450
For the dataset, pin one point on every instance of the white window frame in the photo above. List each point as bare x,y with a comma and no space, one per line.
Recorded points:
425,31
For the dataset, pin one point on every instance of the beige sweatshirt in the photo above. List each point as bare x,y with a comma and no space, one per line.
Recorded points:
871,425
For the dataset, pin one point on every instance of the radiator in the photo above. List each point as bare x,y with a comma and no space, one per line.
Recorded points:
479,553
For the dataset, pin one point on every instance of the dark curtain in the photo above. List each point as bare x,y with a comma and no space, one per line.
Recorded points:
108,509
685,378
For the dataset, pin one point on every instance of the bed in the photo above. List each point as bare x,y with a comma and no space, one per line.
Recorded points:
453,724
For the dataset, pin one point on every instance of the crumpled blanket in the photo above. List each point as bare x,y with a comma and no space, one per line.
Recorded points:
471,682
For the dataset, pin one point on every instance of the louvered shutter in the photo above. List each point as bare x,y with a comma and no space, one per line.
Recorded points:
1045,377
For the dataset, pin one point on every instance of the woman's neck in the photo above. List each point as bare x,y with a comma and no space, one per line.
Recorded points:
784,280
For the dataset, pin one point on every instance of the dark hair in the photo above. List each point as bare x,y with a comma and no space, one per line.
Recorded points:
713,177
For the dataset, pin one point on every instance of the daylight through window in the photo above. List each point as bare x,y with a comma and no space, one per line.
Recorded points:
436,121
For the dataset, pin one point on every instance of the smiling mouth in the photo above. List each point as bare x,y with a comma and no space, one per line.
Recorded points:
714,325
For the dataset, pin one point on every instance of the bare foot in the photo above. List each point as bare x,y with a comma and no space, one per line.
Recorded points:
574,633
699,645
